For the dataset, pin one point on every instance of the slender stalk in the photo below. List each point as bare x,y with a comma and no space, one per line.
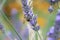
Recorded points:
1,5
36,36
6,18
39,36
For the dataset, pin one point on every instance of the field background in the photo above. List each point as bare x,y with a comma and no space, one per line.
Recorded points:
40,7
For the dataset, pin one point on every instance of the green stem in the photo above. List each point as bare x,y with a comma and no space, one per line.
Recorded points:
49,23
6,18
36,36
39,36
1,5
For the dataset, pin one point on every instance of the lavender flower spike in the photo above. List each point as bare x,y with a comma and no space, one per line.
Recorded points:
29,15
27,10
57,24
56,29
58,17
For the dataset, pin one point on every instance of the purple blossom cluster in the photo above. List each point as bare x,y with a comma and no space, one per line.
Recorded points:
52,2
36,28
50,34
57,25
53,34
33,21
28,13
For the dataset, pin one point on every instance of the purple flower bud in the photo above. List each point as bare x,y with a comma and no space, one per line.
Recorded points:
52,2
57,18
50,38
24,2
26,9
52,30
50,34
57,22
28,17
33,21
50,9
31,13
36,28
